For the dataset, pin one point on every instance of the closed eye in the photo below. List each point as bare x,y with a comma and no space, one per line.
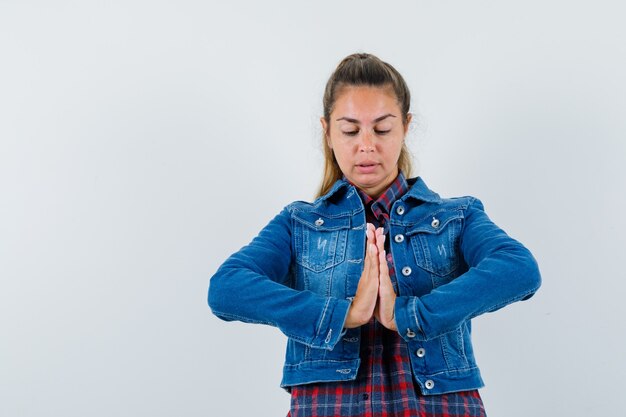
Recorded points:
351,133
382,132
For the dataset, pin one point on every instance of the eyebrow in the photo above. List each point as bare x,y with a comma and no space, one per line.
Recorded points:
378,119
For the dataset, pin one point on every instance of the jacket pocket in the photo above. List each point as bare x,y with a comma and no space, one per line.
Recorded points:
435,244
319,242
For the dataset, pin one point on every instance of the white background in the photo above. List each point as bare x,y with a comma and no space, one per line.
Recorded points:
142,142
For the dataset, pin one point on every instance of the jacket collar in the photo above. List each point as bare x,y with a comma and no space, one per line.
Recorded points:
418,190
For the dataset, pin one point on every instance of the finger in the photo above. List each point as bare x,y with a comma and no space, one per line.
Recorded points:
369,276
380,243
383,266
367,263
373,252
385,286
371,238
370,265
384,269
376,234
368,284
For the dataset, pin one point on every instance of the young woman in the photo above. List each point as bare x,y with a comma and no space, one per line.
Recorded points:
375,282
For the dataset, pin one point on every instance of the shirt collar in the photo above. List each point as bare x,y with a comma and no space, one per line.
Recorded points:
383,204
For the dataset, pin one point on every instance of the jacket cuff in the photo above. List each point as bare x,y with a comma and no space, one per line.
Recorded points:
406,319
330,329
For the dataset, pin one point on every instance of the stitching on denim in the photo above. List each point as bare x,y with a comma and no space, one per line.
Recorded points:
335,237
460,206
461,342
241,318
306,207
441,227
486,310
302,340
506,302
324,227
328,361
417,322
321,322
445,348
447,371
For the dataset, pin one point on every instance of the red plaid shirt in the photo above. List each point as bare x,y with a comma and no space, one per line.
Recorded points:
384,385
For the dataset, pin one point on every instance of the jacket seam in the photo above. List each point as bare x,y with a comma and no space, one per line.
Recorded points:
321,322
305,362
241,318
253,321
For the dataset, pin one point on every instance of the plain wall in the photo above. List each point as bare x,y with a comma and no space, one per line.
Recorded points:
142,142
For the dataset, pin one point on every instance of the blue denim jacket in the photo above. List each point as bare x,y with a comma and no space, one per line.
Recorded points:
301,272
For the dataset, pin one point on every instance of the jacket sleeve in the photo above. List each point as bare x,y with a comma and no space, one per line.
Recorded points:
501,271
254,286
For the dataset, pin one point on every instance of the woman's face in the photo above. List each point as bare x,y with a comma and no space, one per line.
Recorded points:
366,134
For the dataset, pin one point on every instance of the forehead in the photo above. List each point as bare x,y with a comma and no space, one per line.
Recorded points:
365,102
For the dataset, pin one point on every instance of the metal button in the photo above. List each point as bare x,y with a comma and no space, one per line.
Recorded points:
406,271
400,210
319,222
399,238
421,352
410,333
435,223
430,384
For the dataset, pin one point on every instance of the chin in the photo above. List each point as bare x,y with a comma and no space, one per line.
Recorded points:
370,179
366,181
367,185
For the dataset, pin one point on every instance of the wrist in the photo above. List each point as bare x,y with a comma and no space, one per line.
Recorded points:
355,318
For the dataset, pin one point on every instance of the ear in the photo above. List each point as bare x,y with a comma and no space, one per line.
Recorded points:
325,131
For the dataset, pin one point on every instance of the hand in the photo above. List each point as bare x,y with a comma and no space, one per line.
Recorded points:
385,306
364,302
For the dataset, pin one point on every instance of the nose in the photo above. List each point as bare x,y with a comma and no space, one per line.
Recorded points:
367,143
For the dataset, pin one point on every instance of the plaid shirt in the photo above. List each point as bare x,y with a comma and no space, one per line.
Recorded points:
384,385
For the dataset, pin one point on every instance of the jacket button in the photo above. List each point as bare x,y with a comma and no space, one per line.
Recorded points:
421,352
399,238
319,222
435,223
406,271
410,333
430,384
400,210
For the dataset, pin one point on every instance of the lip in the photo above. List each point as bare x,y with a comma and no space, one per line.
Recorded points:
366,167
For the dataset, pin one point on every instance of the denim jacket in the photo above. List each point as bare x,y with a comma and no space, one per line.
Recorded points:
301,272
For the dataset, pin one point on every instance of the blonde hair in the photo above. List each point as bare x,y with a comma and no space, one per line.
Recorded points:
362,70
